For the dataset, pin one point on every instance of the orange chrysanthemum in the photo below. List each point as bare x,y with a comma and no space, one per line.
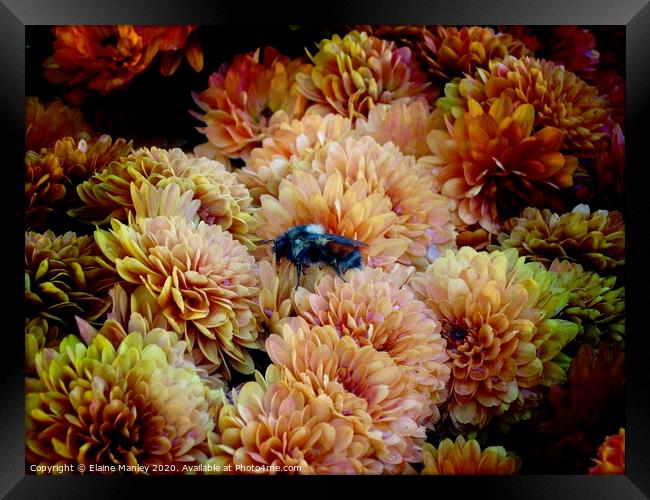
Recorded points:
466,457
496,313
483,155
282,428
404,124
44,125
361,381
353,73
559,98
292,145
611,455
373,308
248,99
204,282
103,58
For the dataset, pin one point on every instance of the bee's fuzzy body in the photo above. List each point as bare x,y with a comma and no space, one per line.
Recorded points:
309,244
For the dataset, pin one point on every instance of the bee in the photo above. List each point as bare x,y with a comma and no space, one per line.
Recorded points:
309,244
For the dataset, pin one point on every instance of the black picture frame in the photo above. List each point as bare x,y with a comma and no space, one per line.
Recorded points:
634,14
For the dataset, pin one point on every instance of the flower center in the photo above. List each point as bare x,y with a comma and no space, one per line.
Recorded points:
455,333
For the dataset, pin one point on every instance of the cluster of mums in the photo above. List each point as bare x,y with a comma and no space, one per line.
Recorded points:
466,163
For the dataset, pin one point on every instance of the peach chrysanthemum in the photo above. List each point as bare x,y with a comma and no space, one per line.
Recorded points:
65,276
103,405
354,212
361,381
404,124
466,457
353,73
594,239
248,99
103,58
423,215
485,154
281,428
205,283
497,313
373,308
45,124
292,145
559,98
223,199
611,455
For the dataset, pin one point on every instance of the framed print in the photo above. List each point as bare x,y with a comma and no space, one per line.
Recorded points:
397,246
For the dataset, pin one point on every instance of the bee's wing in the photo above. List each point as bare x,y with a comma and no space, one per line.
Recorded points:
341,240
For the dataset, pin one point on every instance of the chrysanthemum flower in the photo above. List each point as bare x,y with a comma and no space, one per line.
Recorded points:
105,406
595,240
446,52
525,34
595,386
374,308
574,48
485,154
270,426
248,99
404,124
466,457
44,125
205,283
595,304
103,58
496,313
51,174
65,276
38,335
223,199
292,145
423,215
362,381
353,73
559,98
451,52
611,455
44,186
355,212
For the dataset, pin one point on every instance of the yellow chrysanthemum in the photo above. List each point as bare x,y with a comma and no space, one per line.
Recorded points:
223,199
353,73
98,405
65,276
466,457
594,239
